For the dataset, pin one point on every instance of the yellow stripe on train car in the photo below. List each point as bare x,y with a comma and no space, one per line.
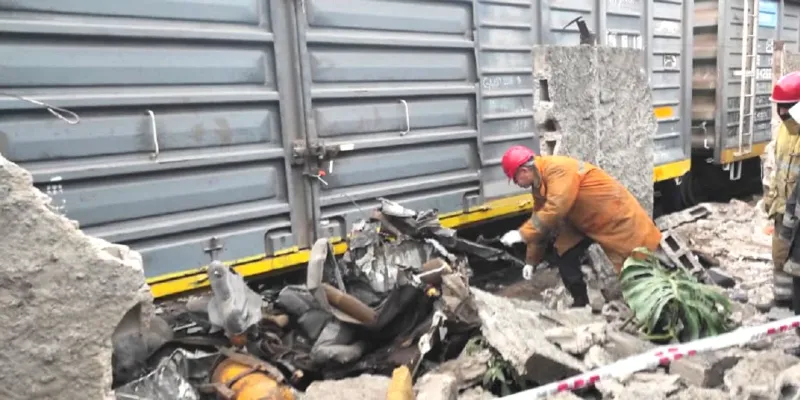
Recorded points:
729,155
672,170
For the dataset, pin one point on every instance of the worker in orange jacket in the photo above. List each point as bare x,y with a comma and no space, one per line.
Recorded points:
575,204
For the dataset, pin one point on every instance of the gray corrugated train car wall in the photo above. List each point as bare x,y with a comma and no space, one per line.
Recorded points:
717,74
195,115
663,29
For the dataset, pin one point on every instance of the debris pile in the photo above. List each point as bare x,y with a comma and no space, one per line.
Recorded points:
398,304
733,241
400,295
461,342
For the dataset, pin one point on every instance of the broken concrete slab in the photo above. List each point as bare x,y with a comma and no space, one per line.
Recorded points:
788,382
676,219
592,117
517,333
641,385
755,376
596,300
476,393
696,393
577,341
604,276
597,357
468,368
778,313
437,386
741,312
364,387
557,298
564,396
703,370
623,345
62,295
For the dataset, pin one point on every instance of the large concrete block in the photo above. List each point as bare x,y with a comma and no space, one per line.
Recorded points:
791,61
62,297
363,387
594,103
516,330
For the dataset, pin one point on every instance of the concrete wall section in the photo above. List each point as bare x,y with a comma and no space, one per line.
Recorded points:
595,104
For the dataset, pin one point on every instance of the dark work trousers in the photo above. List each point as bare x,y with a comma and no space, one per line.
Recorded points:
796,295
569,268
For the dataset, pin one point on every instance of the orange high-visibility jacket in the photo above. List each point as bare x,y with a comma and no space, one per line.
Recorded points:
577,199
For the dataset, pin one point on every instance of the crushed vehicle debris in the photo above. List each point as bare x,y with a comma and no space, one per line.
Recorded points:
399,304
399,296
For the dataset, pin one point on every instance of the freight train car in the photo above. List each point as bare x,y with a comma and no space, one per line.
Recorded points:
246,129
732,82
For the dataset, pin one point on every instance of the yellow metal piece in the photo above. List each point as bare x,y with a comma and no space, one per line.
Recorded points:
401,385
672,170
171,284
729,155
664,112
246,383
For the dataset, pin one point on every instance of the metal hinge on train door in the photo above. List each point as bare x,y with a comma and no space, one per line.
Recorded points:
318,150
318,158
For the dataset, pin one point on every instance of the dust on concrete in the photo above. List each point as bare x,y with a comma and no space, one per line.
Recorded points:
529,290
65,297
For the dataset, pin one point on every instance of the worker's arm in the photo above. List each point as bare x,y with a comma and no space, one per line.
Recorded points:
561,183
534,253
791,219
769,197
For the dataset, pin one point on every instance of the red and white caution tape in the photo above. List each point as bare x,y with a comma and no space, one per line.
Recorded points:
660,356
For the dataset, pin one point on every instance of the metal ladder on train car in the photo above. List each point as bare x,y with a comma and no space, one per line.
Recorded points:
747,90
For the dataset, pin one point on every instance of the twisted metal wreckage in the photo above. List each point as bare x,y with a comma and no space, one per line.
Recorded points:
403,280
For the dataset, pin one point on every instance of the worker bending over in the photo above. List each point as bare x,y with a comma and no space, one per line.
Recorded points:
574,205
786,93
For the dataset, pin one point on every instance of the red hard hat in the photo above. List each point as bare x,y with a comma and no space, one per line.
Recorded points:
787,89
515,157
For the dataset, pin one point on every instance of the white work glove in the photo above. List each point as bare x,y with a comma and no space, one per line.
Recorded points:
510,238
527,272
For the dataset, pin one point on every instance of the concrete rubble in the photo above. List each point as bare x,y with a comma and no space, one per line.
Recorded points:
63,297
734,234
364,387
437,386
468,369
476,393
516,331
756,376
730,238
